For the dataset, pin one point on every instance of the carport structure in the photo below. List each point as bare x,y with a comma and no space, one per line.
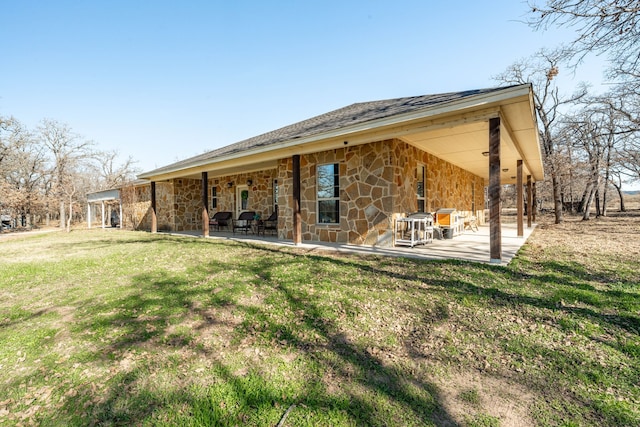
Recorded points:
102,198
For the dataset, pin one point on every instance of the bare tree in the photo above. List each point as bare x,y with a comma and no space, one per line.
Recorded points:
5,130
609,27
68,150
616,180
540,70
626,103
21,170
597,131
630,158
52,169
112,173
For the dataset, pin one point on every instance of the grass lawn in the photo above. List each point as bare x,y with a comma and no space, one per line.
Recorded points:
126,328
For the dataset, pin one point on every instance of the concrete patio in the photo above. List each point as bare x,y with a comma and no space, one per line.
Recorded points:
470,246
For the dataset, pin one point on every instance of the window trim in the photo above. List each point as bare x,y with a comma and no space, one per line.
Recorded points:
214,197
335,197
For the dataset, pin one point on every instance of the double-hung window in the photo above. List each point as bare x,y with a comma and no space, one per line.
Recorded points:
214,198
420,187
328,187
276,194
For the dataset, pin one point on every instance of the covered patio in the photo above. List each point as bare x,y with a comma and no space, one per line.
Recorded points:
343,179
470,246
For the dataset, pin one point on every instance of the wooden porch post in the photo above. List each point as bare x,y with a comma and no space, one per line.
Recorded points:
297,226
534,206
89,215
520,199
529,202
495,226
154,217
205,204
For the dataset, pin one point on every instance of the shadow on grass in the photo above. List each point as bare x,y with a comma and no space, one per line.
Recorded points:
144,320
362,379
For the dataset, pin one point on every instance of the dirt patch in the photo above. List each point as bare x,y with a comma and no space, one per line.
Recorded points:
465,396
618,232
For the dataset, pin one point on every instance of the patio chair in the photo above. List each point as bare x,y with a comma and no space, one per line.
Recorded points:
471,223
220,219
243,223
271,223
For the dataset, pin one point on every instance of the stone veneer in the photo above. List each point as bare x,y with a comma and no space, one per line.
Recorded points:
178,202
260,192
136,207
377,184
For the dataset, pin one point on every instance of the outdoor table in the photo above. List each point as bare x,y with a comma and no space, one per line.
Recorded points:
414,230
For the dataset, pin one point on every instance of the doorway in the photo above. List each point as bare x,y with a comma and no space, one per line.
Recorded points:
242,199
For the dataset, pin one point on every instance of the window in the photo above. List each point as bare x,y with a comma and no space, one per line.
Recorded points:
275,195
420,192
328,187
214,198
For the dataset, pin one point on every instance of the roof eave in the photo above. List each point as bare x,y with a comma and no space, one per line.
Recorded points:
431,111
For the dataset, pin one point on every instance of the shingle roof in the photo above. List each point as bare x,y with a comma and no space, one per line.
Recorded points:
350,115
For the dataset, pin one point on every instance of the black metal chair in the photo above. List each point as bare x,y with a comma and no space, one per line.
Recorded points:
221,219
271,223
243,223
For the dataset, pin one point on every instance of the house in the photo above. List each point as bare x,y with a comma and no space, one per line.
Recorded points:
346,175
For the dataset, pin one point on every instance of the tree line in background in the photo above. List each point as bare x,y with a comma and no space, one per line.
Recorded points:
46,173
590,143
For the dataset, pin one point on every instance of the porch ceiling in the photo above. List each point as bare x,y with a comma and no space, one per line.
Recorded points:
463,143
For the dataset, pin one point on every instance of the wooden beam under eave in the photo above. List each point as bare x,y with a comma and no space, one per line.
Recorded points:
495,226
154,216
205,204
297,217
529,202
520,199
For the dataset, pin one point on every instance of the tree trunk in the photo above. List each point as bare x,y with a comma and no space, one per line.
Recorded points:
586,194
70,215
604,199
557,201
620,195
587,207
62,214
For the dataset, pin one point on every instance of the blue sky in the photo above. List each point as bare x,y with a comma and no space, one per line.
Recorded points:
162,81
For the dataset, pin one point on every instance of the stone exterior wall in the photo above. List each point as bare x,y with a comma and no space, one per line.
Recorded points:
447,186
136,207
181,203
260,192
367,193
187,204
377,184
285,198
